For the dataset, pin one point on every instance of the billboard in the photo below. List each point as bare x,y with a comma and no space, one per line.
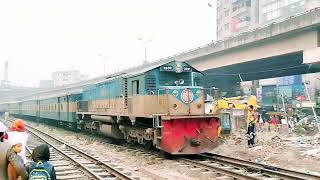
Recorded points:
269,95
290,80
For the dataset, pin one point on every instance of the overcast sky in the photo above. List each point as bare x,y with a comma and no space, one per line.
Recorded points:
39,37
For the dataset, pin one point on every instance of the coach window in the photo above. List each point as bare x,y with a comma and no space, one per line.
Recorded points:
135,87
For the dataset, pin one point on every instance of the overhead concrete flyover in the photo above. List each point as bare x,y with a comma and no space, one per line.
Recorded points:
288,47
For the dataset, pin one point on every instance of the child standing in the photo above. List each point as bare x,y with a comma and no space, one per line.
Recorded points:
40,167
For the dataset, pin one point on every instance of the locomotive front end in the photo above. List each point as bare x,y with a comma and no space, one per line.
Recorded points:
186,129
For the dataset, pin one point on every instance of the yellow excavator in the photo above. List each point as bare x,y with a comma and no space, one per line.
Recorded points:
239,102
233,103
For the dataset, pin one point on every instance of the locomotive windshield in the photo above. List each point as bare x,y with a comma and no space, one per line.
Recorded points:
180,79
179,74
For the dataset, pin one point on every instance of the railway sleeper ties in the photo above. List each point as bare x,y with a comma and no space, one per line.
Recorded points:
223,171
93,166
260,168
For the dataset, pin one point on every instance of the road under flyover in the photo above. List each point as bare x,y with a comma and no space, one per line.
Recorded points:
227,78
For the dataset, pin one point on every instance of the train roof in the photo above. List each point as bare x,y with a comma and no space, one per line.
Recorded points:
78,87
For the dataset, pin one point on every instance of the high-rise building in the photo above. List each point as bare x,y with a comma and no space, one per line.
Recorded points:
237,16
273,10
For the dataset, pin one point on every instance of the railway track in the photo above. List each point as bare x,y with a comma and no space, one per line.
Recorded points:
73,162
222,167
65,168
241,169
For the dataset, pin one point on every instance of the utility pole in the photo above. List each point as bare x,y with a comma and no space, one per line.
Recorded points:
145,42
309,98
104,59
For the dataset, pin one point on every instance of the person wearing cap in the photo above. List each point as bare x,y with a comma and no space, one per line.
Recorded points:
17,134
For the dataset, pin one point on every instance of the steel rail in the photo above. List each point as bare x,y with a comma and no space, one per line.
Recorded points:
221,170
267,169
110,169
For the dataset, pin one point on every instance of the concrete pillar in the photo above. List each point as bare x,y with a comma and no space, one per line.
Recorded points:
255,85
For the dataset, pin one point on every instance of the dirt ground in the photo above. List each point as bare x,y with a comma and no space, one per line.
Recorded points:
285,150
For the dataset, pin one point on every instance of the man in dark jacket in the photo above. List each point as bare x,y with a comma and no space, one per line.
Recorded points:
42,154
7,156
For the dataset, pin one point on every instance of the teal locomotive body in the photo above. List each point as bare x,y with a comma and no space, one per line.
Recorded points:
159,105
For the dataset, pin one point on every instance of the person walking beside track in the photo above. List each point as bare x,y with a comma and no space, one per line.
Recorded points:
17,134
252,120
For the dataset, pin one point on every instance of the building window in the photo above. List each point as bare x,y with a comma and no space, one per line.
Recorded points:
226,13
226,26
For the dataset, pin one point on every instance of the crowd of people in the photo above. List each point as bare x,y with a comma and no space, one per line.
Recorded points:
13,161
256,123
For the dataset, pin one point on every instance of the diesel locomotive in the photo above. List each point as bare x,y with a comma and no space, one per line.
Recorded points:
159,105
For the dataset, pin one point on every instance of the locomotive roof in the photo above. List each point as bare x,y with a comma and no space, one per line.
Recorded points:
78,87
155,65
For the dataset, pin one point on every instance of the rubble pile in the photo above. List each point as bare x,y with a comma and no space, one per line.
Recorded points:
300,152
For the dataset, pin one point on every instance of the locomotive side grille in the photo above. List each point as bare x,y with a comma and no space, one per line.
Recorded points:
125,92
83,106
150,83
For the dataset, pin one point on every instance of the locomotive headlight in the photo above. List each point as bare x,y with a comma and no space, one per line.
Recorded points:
175,93
178,67
175,106
199,106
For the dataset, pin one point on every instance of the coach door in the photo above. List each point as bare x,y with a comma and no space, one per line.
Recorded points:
59,109
38,110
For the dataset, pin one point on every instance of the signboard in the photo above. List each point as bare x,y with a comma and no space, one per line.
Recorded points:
177,69
290,80
186,69
286,91
298,92
307,104
167,68
269,95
